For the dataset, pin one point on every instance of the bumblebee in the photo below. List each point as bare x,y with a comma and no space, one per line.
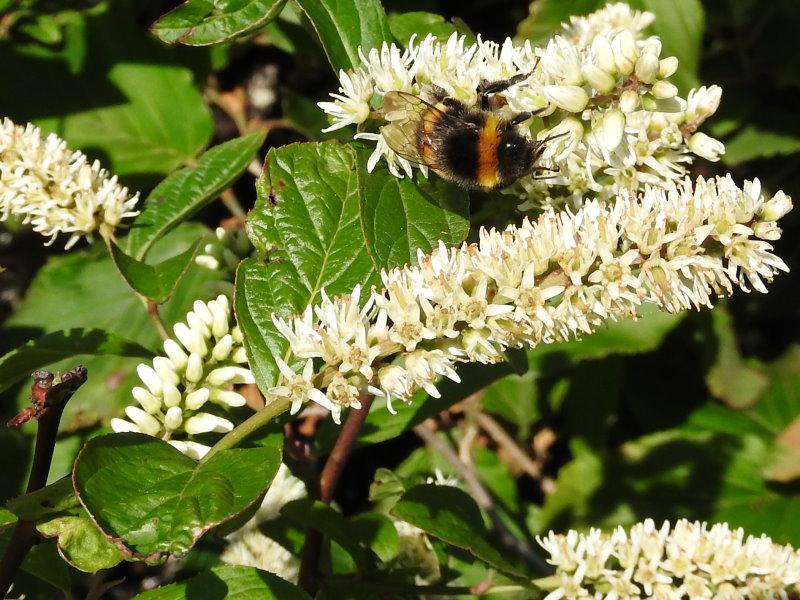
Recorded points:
473,147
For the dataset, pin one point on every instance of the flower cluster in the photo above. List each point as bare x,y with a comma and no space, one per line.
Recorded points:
249,547
601,87
197,373
224,253
689,560
55,189
542,282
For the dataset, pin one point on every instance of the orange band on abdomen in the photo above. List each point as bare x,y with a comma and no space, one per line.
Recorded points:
488,142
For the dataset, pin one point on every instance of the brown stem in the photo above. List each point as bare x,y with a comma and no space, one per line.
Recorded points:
504,440
155,317
48,401
328,480
482,497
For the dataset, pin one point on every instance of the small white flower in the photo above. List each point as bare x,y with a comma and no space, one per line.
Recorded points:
541,282
571,98
705,146
689,560
299,387
351,105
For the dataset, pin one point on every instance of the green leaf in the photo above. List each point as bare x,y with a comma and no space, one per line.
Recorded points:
202,22
514,397
54,499
262,289
401,216
680,25
729,378
155,501
185,192
382,425
20,362
753,142
546,17
42,562
451,515
154,282
404,25
228,581
344,25
132,104
83,289
313,514
81,543
378,533
308,208
614,337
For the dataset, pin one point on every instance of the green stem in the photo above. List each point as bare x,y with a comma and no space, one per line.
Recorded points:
251,425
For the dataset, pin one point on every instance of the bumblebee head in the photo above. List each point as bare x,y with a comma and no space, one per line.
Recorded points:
516,156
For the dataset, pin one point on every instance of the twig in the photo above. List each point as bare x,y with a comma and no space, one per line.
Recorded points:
482,497
503,439
48,401
231,202
155,317
328,480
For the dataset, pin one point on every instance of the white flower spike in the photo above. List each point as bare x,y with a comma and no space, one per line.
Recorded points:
57,190
185,381
541,282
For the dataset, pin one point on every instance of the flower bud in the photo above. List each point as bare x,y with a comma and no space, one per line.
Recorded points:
236,334
628,101
228,397
173,418
220,310
706,146
150,378
146,422
184,335
612,127
190,448
239,355
147,400
201,310
767,230
123,426
776,207
175,354
222,349
667,67
604,54
166,370
209,262
569,97
560,148
197,398
172,397
225,375
647,67
194,368
625,52
599,79
205,423
196,324
663,89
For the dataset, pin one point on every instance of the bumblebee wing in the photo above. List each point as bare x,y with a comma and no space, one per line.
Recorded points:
407,115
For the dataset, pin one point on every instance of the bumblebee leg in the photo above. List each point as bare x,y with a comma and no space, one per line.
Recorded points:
520,118
486,88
